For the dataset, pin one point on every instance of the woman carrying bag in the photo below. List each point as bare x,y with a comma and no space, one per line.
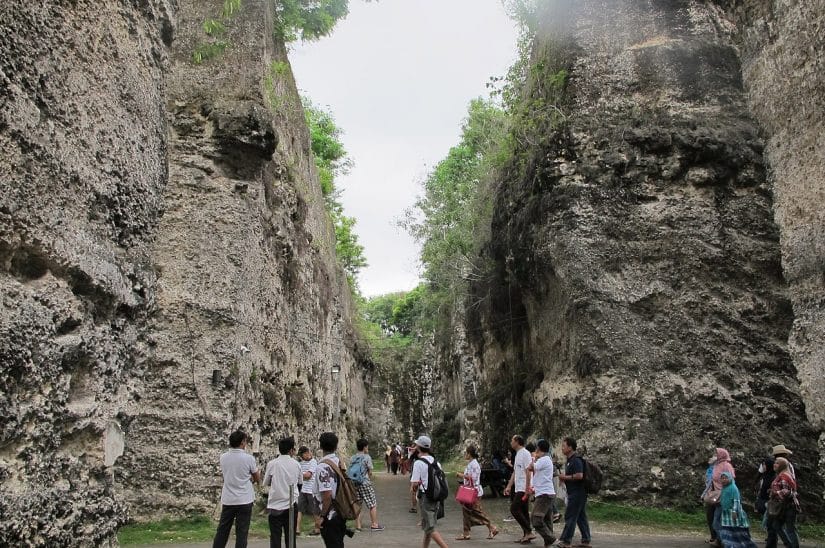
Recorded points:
468,496
735,528
783,506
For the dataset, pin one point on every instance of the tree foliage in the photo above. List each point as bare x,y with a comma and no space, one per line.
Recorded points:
332,160
308,19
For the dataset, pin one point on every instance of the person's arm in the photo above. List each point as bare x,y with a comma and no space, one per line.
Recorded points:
529,476
326,503
575,476
256,476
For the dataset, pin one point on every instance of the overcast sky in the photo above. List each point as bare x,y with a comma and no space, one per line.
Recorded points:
398,76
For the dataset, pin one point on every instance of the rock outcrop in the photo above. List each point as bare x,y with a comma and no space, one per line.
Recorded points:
638,301
167,268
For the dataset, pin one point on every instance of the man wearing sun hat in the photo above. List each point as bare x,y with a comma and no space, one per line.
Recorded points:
785,453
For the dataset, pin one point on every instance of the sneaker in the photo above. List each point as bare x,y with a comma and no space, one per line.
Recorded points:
378,527
314,533
509,519
562,544
556,518
583,544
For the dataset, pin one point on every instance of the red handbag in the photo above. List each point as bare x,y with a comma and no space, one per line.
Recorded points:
467,494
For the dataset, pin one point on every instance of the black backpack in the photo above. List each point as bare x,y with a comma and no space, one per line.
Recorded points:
437,488
593,477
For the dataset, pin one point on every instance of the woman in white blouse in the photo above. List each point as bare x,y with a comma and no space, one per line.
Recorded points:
473,514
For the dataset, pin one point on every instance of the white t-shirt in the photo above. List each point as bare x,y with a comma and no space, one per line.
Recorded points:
523,460
420,469
281,474
473,473
308,466
543,476
237,467
326,481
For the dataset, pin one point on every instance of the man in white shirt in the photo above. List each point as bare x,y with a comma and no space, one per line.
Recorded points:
540,478
333,526
427,509
239,471
519,503
283,475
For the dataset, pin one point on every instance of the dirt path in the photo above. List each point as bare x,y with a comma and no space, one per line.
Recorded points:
401,528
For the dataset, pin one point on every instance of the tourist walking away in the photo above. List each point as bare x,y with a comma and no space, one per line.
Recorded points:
575,514
766,476
710,503
333,526
413,455
362,462
307,505
783,507
540,481
395,459
735,531
387,458
428,509
283,476
473,514
239,471
517,488
721,466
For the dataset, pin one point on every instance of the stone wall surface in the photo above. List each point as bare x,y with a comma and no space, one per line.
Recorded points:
783,54
167,268
638,302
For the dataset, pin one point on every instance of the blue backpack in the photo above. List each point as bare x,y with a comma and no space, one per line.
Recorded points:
356,471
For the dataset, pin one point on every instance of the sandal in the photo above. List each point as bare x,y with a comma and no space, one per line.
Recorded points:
492,534
463,537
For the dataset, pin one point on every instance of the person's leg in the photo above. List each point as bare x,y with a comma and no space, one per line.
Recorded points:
274,532
791,538
242,520
333,531
374,516
773,526
710,511
717,519
571,517
520,510
539,521
224,527
584,525
298,517
436,536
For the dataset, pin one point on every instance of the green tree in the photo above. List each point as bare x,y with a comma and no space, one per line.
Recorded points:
308,19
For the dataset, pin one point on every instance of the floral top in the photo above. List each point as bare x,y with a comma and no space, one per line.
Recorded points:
473,474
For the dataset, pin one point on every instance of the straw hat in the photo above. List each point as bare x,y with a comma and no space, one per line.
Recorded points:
781,450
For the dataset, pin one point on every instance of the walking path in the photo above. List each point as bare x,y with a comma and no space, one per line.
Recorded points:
401,528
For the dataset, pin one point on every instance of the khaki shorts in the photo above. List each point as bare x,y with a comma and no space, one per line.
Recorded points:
428,511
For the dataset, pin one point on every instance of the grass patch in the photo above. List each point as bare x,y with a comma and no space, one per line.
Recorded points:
606,512
191,529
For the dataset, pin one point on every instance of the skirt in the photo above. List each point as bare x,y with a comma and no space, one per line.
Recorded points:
735,537
474,515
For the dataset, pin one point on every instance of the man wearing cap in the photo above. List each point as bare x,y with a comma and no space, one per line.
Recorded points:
427,509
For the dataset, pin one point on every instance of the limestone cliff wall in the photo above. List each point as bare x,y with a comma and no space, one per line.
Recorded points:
167,269
783,60
639,302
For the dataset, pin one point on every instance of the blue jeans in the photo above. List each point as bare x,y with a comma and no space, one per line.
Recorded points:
575,514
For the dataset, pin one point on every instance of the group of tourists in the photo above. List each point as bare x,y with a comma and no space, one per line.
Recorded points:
777,501
295,486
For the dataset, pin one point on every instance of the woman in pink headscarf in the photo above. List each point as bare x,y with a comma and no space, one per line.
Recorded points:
722,466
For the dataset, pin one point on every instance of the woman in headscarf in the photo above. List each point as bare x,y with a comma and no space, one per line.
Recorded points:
735,529
722,465
783,495
474,514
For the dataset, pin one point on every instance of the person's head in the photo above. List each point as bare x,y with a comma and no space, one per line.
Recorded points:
531,448
362,444
517,442
286,445
780,465
424,444
712,460
237,439
304,453
726,478
568,446
542,447
471,452
328,442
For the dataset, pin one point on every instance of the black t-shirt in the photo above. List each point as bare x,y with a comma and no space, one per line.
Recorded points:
575,465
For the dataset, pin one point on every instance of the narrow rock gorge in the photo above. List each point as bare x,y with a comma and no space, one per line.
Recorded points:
166,263
658,242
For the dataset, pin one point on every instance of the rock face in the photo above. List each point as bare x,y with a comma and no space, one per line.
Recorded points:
166,266
638,301
783,56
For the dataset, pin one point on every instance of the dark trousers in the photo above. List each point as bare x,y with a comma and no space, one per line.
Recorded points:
542,517
240,515
279,525
394,467
333,531
710,510
575,514
784,528
521,511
